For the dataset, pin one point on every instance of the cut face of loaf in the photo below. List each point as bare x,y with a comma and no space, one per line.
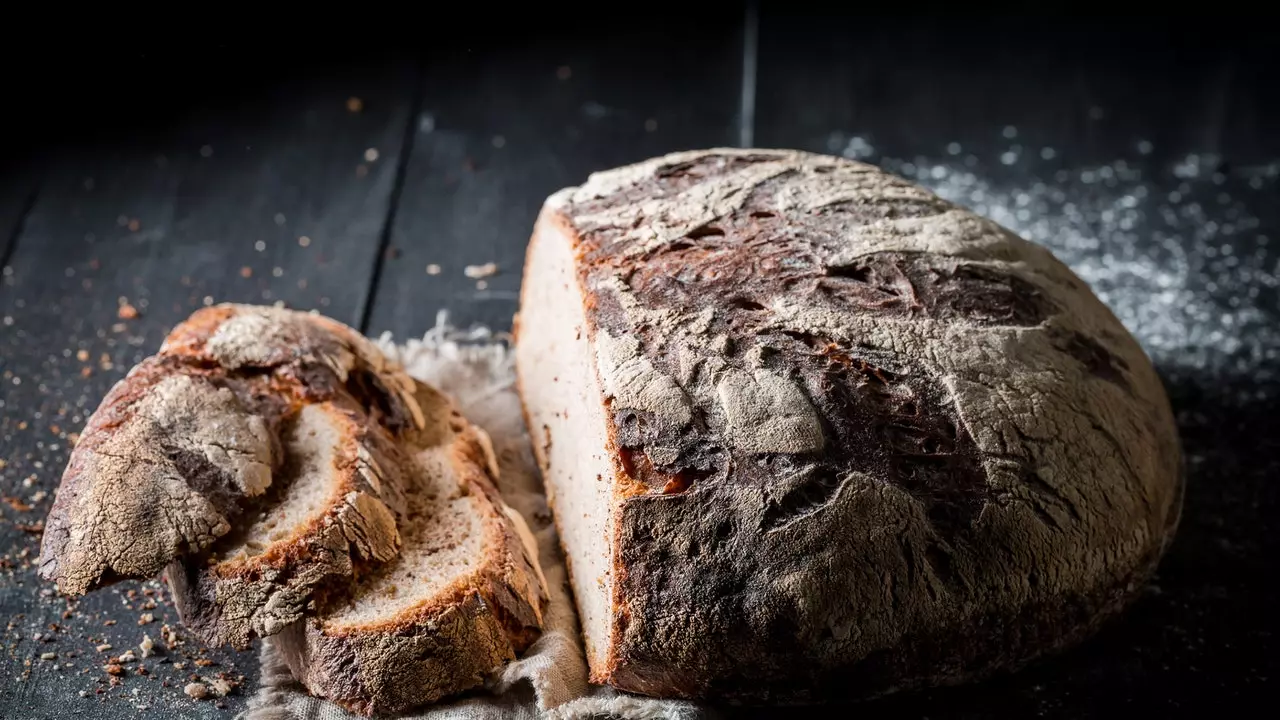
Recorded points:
462,597
811,432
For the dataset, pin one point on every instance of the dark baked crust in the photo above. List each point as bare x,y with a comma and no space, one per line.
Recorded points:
865,439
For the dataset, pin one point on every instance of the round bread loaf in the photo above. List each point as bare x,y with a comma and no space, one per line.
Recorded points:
811,431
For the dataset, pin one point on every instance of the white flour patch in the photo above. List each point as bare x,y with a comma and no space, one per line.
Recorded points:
1184,268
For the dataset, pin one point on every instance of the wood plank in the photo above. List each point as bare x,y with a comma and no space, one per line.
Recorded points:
195,195
17,192
504,126
1188,109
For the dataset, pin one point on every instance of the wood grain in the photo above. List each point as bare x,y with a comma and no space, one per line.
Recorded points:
191,198
502,127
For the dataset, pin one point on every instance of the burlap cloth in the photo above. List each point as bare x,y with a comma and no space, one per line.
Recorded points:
550,679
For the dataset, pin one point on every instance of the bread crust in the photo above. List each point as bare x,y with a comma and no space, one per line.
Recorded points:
864,440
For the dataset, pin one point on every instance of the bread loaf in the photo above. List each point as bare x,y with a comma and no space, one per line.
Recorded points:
810,431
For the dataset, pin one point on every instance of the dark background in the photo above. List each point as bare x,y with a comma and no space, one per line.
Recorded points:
165,174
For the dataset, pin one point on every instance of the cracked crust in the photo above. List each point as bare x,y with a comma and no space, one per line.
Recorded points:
189,444
863,439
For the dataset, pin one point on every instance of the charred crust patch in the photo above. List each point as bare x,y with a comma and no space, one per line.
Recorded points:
1097,360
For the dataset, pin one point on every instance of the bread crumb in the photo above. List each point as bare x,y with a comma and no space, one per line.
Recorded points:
82,355
113,669
179,665
304,241
246,272
147,646
49,656
433,269
221,687
482,284
475,272
371,155
203,662
354,104
126,657
104,647
196,691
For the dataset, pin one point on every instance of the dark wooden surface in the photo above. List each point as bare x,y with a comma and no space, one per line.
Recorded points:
197,174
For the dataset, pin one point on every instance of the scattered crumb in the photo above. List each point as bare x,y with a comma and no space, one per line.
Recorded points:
147,646
126,657
482,284
354,104
203,662
109,623
49,656
113,669
246,272
433,269
17,504
127,312
196,691
169,636
475,272
304,241
146,619
82,355
104,647
179,665
222,687
134,225
371,155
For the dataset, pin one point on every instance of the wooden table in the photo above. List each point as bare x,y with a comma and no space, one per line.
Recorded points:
147,183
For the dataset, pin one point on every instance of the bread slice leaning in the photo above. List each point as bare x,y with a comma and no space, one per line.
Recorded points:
324,517
463,596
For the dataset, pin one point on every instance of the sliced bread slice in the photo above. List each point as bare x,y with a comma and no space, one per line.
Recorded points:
325,516
464,595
